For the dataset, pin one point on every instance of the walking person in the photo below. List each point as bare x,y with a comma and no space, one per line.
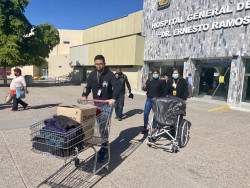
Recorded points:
104,86
18,84
155,88
176,86
190,85
122,79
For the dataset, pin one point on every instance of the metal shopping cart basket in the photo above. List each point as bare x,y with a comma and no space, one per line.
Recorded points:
68,146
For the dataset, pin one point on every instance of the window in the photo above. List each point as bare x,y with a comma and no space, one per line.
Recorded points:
66,42
248,66
246,87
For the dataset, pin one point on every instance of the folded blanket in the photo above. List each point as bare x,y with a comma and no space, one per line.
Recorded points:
66,122
54,125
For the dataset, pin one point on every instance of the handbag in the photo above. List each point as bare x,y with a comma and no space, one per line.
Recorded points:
20,93
9,98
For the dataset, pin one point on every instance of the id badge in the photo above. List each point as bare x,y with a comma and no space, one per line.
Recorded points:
99,92
174,92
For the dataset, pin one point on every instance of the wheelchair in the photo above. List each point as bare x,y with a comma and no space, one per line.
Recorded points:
168,121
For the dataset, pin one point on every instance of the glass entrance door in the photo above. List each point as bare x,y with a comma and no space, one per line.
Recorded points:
214,79
246,87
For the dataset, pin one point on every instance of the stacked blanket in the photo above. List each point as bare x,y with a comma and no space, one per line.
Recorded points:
60,137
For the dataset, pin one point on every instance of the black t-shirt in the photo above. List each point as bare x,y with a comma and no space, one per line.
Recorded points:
155,88
181,89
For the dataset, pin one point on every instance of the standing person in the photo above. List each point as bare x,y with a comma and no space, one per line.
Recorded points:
104,86
155,88
165,78
18,83
190,85
122,79
176,86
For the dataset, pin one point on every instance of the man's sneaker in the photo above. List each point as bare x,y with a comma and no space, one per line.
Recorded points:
119,119
102,157
13,110
102,154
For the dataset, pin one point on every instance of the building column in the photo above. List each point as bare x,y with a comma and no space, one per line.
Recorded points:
236,81
144,73
190,67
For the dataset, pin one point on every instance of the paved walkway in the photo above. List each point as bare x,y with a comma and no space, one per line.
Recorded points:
217,155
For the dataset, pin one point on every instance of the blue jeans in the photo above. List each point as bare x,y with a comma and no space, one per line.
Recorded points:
119,105
103,120
147,109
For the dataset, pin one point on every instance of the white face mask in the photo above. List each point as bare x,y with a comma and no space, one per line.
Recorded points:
155,76
175,76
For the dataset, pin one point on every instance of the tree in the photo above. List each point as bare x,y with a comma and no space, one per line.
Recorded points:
21,43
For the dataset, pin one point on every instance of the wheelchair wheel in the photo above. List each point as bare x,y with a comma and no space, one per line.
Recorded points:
183,133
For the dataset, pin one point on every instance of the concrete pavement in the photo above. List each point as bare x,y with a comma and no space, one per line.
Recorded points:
217,154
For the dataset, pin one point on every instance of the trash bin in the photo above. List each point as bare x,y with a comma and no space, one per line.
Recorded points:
28,79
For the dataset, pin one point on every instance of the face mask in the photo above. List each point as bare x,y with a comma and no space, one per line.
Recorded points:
175,76
155,76
15,74
120,73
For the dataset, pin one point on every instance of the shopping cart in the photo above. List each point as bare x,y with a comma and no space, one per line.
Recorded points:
68,146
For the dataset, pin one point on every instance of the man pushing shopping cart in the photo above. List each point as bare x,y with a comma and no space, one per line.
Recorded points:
53,137
104,86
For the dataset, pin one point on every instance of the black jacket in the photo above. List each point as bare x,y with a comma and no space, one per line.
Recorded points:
106,82
155,88
122,79
181,89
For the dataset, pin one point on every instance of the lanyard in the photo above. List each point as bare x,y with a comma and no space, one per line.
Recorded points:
175,84
98,81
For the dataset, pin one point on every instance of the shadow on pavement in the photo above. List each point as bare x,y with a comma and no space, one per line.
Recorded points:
42,106
124,145
131,113
121,148
3,106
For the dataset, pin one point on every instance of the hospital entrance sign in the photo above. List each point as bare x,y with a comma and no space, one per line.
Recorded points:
234,22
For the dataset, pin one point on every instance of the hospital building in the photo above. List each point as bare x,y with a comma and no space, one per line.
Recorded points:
207,38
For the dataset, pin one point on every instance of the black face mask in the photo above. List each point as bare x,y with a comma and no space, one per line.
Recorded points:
15,74
120,73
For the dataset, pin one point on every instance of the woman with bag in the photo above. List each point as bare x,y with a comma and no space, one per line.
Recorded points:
18,88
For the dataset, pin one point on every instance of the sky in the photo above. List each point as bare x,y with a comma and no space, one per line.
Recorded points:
79,14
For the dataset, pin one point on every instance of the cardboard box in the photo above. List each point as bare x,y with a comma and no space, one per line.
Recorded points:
83,114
